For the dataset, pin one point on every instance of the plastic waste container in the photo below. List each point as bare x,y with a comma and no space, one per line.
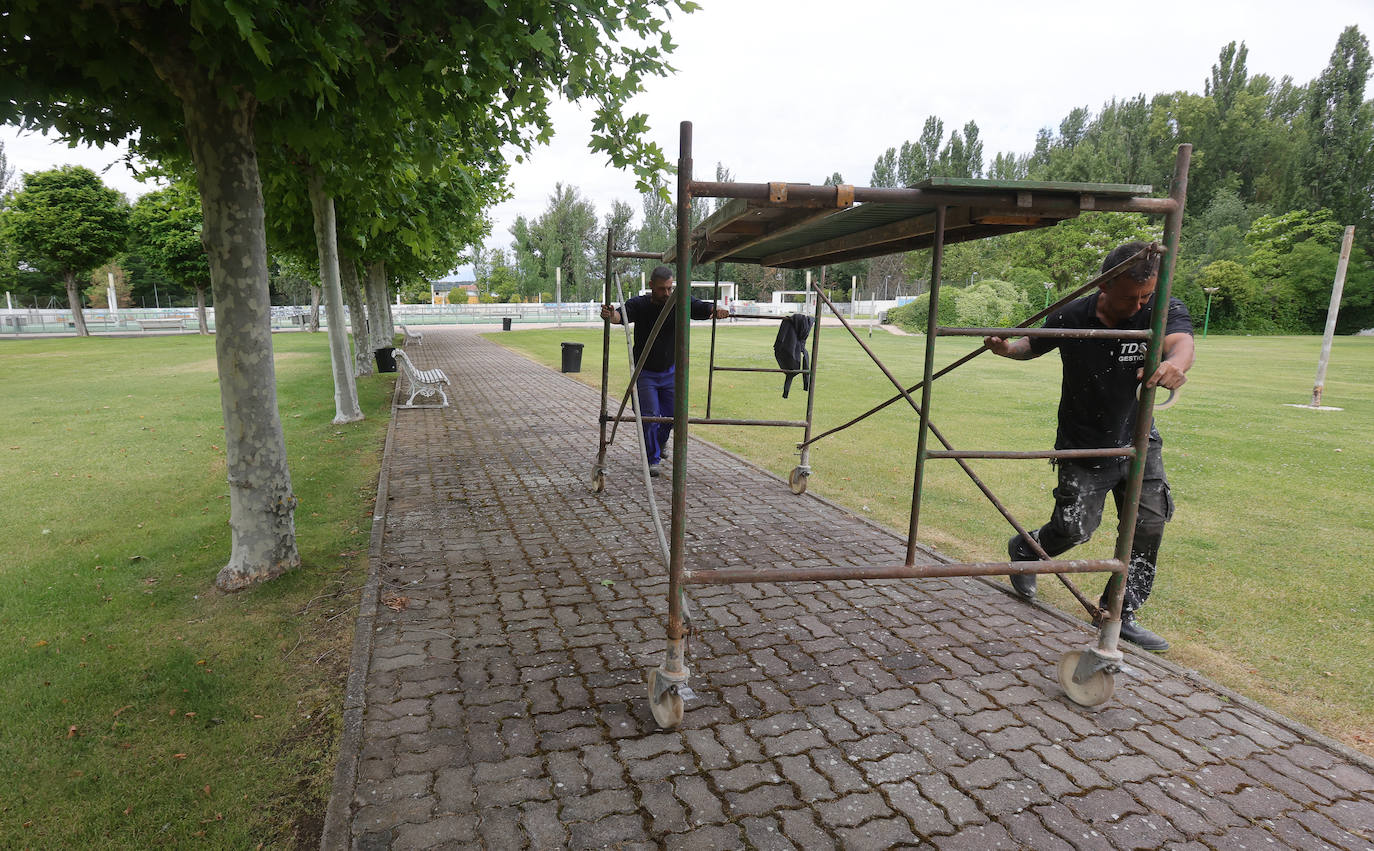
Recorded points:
386,359
572,357
505,323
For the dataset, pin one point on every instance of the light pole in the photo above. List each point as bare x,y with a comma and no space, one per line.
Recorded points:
1049,285
1207,316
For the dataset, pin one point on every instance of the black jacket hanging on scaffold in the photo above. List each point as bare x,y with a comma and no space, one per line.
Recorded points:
790,350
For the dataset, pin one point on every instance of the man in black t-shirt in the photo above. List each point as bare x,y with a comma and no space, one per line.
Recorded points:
1097,410
655,383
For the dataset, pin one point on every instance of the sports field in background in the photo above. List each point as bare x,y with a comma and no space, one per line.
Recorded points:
1264,583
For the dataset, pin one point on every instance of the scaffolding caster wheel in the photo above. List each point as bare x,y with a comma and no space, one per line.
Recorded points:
797,479
1094,686
598,479
664,701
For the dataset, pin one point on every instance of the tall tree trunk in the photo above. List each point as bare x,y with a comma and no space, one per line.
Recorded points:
378,308
314,309
357,318
200,309
261,502
346,408
74,302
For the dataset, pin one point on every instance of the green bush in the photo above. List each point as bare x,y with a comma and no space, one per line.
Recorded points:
990,303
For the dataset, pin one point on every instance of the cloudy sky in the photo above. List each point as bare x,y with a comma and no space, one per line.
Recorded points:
798,89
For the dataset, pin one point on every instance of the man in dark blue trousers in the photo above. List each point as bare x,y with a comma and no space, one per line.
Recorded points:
655,382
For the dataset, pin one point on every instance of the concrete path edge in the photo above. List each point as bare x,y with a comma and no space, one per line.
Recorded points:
337,814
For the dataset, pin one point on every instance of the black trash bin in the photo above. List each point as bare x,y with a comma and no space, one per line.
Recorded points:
505,323
386,359
572,357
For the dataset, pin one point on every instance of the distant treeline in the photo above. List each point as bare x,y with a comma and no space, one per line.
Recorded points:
1278,169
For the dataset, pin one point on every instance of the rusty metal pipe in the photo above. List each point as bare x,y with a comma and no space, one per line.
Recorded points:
714,421
937,256
605,355
730,575
1123,452
682,357
1053,333
1144,414
1005,199
755,369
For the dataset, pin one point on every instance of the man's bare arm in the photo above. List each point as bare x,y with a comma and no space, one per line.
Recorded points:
1018,349
1178,359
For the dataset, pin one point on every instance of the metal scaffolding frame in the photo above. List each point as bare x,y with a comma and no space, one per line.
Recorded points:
794,225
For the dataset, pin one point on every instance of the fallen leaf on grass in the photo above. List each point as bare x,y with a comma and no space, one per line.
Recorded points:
121,709
72,732
178,756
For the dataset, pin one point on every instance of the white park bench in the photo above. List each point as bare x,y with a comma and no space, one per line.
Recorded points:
422,382
411,335
156,324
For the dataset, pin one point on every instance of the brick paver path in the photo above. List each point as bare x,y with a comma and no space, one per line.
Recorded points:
504,704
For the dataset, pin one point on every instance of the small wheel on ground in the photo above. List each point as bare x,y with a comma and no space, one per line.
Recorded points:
668,710
598,480
797,481
1095,691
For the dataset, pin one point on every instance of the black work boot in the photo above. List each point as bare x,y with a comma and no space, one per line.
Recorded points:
1132,631
1022,583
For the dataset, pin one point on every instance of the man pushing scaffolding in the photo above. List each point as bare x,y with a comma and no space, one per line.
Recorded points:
1097,408
655,383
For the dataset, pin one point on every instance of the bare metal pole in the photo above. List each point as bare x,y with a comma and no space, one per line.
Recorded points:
804,462
711,370
937,256
678,525
605,358
1331,312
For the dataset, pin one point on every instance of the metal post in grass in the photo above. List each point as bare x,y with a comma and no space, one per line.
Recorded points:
853,297
1331,311
558,296
1207,317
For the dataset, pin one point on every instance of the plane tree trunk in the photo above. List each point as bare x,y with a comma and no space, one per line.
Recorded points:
346,408
74,303
261,501
357,317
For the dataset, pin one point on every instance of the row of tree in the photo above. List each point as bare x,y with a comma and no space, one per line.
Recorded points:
1277,168
367,129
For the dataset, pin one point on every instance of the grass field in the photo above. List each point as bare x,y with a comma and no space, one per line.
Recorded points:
1263,581
138,706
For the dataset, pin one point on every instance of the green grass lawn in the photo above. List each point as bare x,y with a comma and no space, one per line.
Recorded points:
1263,581
139,706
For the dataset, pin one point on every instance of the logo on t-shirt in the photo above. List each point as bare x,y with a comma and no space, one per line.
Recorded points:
1132,351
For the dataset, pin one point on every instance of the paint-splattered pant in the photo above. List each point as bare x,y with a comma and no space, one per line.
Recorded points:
1078,502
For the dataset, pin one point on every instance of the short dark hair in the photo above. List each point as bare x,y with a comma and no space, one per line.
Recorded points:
1142,270
661,273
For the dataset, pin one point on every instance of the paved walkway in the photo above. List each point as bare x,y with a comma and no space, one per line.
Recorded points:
498,697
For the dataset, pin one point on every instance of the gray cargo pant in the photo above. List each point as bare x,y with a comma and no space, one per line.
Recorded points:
1078,502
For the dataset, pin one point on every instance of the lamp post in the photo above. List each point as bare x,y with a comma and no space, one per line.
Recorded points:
1207,316
1049,285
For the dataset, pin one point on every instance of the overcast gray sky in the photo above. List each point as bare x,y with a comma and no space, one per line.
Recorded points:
798,89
